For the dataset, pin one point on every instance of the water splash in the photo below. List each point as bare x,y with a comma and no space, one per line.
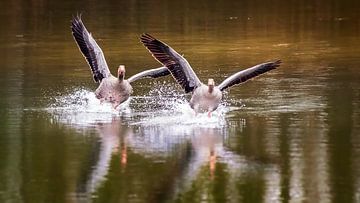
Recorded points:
82,108
165,105
182,114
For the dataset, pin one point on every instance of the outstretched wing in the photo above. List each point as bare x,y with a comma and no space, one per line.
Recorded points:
244,75
152,73
178,65
90,49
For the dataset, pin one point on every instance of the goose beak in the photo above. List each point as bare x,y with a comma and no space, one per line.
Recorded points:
211,85
121,72
211,82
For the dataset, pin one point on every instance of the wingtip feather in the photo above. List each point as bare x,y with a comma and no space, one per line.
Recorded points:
277,63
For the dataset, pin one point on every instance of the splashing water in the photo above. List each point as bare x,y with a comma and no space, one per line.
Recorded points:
162,105
181,113
82,108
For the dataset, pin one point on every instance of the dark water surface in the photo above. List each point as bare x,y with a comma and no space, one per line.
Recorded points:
292,135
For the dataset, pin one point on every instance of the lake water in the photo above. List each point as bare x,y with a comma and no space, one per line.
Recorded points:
290,135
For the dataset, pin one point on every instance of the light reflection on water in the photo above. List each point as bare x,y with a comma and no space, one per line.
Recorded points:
153,135
156,134
160,123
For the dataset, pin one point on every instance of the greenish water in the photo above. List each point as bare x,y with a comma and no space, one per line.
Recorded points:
292,135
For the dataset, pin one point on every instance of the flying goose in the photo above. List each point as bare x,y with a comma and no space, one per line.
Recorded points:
205,98
111,89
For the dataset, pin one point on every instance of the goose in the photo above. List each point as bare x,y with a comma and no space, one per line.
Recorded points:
205,98
112,89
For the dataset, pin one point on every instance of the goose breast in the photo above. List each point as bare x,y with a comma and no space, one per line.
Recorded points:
113,90
203,101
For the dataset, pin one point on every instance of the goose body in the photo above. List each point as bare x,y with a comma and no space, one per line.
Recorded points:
205,98
112,89
204,101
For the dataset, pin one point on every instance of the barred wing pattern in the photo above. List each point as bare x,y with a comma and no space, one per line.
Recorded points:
244,75
152,73
177,65
90,49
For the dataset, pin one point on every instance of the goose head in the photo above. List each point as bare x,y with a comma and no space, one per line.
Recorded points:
211,85
121,72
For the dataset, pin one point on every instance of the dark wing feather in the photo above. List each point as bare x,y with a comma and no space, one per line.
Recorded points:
90,49
178,65
247,74
152,73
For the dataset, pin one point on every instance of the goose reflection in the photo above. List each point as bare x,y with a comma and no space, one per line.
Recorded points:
188,160
207,147
112,141
206,163
199,151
